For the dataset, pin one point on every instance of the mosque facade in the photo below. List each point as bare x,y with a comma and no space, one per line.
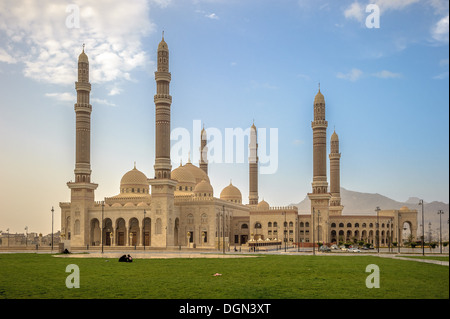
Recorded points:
178,209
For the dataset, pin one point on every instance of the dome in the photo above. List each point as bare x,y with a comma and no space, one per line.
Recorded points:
263,205
204,187
404,208
83,57
134,178
183,175
334,137
231,193
319,98
197,172
163,45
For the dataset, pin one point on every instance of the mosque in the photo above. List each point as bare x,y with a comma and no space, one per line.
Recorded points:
178,209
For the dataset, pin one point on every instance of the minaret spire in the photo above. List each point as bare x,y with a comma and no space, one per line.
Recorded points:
253,166
204,151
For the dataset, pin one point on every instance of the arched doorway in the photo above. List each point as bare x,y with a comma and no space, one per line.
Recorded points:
134,232
120,232
95,232
146,230
107,233
175,231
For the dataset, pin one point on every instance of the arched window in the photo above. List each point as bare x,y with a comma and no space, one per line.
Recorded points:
364,225
302,224
269,224
307,224
244,226
356,225
190,219
349,224
333,225
258,225
341,224
275,224
204,219
291,224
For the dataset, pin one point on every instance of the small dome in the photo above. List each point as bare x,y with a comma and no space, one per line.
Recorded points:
134,178
197,172
319,98
404,208
163,45
183,176
263,205
334,137
231,193
83,57
204,187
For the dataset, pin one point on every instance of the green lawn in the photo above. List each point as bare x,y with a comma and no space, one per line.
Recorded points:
43,276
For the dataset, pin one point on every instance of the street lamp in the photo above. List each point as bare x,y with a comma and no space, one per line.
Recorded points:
440,212
318,233
285,225
423,229
144,227
26,236
313,241
378,228
52,227
103,208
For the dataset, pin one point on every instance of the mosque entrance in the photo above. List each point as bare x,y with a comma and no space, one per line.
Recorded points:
121,238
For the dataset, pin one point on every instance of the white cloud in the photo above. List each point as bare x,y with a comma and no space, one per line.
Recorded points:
387,75
43,35
6,57
212,16
355,11
64,97
353,75
439,31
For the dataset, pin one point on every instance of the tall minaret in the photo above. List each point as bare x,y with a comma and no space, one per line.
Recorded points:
82,190
335,179
204,151
253,167
165,233
163,101
320,198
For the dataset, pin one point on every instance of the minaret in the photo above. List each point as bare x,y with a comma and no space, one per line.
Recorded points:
253,167
162,210
335,179
82,190
320,198
163,101
204,151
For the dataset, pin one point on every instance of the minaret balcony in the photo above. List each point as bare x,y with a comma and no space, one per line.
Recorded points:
163,76
163,98
319,124
83,86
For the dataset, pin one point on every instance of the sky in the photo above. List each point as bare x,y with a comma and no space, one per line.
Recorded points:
233,63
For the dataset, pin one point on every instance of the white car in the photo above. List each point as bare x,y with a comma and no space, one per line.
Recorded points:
354,250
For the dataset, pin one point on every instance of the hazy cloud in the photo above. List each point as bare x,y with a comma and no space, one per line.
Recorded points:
353,75
45,37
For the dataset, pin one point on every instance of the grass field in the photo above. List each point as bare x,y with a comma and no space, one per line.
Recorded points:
42,276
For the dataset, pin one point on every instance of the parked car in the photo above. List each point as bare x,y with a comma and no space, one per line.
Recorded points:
324,248
344,248
354,250
334,247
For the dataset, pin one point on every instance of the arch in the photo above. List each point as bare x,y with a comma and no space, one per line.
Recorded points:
95,232
176,228
146,231
121,232
76,227
190,219
349,225
341,224
333,225
134,232
107,230
244,226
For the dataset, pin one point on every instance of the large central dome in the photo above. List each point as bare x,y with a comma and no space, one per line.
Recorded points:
134,181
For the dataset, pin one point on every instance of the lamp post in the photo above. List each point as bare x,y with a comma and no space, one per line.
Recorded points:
223,227
378,228
143,227
318,233
313,241
423,229
285,231
52,227
103,209
26,235
440,212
